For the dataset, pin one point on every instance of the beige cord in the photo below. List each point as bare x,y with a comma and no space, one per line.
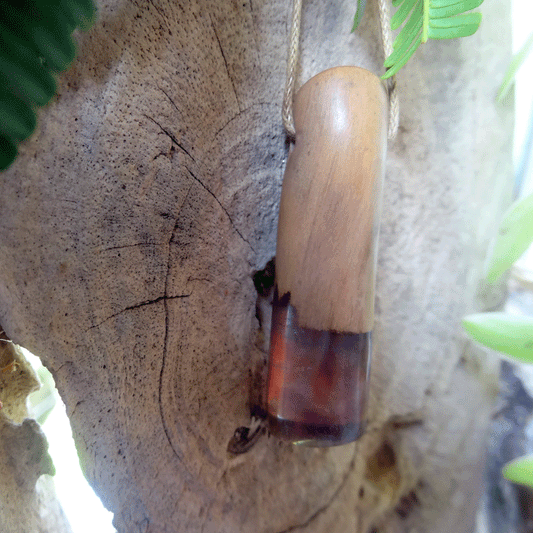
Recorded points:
386,37
294,51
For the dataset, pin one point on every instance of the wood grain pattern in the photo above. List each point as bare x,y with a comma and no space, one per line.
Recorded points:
330,203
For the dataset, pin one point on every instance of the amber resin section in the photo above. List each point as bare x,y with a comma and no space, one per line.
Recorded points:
317,382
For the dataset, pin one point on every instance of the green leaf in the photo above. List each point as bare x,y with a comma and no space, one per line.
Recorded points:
8,152
35,41
22,71
401,46
17,119
452,8
361,4
81,12
421,20
466,19
520,471
394,69
452,28
514,237
465,4
508,334
399,17
516,63
425,24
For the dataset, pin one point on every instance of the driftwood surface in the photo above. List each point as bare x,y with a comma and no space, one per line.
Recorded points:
28,502
134,220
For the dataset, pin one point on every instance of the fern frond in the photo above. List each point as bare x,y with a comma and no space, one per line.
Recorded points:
421,20
35,44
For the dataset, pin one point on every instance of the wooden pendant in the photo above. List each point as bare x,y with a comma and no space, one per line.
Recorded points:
326,259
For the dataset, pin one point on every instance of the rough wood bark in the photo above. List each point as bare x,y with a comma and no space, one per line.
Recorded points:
28,502
134,220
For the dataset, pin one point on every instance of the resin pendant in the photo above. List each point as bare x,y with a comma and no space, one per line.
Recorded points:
326,259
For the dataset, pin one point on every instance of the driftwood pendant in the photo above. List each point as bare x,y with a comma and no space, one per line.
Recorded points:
326,258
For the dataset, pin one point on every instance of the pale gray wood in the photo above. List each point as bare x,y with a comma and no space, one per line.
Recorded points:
134,219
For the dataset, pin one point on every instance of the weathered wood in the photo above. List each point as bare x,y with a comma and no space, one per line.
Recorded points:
27,496
133,222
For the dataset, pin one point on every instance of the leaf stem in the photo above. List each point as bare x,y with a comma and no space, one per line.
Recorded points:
425,25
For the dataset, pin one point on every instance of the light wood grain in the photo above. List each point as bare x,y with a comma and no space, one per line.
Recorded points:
331,200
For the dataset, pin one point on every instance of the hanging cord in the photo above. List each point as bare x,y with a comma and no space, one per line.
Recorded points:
292,64
294,52
386,37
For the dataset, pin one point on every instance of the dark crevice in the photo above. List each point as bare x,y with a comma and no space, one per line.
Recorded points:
160,388
244,438
226,65
165,340
406,504
71,414
131,246
170,136
160,154
142,304
221,206
241,112
265,279
171,101
62,365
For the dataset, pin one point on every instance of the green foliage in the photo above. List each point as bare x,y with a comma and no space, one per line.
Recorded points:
361,4
428,19
515,64
513,239
520,471
35,43
511,335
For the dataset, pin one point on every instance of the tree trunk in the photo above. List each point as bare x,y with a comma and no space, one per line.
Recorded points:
133,222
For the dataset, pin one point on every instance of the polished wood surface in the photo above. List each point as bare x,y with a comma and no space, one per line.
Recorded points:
331,200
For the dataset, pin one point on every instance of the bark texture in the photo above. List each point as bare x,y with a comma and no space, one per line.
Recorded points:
27,496
134,220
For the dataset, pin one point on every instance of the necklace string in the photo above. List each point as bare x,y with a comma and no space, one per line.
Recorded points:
292,64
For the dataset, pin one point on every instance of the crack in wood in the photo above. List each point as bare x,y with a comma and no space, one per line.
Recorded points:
321,510
226,64
142,304
131,246
165,340
171,100
165,344
71,414
221,206
160,387
242,112
170,135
